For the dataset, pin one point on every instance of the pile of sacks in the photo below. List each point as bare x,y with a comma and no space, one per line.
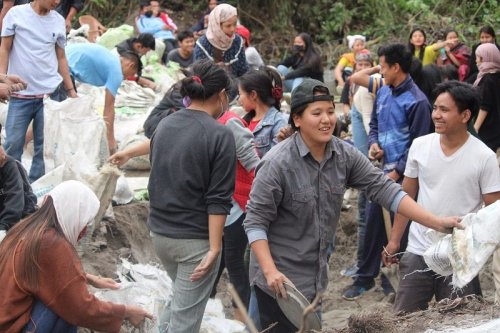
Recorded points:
151,288
464,252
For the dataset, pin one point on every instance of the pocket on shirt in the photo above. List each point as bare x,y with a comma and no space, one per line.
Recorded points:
301,200
262,142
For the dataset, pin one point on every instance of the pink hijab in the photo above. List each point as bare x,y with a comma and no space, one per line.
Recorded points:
490,60
216,37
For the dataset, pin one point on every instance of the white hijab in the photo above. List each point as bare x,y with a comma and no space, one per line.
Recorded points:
217,37
76,206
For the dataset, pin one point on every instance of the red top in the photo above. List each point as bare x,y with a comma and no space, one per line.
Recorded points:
253,124
62,287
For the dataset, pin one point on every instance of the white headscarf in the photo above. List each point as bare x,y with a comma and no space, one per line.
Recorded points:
216,37
352,39
76,206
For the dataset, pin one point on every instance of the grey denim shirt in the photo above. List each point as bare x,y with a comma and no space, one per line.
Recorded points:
295,204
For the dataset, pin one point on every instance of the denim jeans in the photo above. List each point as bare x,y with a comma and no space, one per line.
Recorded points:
359,135
44,320
180,257
21,112
292,83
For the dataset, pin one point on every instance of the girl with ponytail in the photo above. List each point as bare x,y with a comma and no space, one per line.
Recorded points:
260,95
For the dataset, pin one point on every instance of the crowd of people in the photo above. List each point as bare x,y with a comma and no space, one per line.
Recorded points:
257,192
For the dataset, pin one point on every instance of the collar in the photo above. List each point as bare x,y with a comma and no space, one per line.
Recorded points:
269,118
404,86
331,146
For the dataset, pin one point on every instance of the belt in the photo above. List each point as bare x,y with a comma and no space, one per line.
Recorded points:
27,96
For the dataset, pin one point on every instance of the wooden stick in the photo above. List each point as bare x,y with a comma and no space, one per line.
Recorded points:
242,308
309,309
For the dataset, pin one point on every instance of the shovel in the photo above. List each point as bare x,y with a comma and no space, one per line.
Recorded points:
391,272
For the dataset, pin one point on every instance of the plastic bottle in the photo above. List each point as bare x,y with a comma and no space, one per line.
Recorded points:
442,53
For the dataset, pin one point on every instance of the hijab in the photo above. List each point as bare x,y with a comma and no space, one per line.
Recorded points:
76,206
490,60
221,13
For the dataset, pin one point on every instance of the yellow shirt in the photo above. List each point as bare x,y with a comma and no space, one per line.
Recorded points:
430,55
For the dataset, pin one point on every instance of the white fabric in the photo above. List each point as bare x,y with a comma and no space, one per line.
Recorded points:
76,206
363,102
221,13
449,185
33,55
352,39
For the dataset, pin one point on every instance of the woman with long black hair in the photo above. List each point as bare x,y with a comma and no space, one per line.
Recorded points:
305,62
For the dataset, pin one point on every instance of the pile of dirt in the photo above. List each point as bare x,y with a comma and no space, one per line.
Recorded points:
125,236
464,313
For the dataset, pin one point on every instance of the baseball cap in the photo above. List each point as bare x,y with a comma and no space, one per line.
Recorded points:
303,94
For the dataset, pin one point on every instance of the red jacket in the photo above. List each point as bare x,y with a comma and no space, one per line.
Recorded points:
244,179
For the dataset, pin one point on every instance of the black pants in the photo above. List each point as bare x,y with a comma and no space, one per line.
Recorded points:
375,239
233,252
270,313
416,289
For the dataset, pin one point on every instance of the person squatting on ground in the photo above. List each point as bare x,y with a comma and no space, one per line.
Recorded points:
191,193
401,114
221,44
296,199
33,42
44,287
16,196
305,62
487,124
453,173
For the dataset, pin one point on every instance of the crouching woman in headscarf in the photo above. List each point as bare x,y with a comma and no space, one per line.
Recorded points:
44,288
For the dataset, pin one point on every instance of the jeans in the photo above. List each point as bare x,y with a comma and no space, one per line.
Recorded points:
359,135
291,83
180,257
20,113
44,320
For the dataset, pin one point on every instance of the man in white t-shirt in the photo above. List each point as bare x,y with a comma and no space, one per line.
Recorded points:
454,173
33,41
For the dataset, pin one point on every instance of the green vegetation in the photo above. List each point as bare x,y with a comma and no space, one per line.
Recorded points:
275,23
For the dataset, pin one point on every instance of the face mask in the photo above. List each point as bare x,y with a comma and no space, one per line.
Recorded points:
296,49
148,13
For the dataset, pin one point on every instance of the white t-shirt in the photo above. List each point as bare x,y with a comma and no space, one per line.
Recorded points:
449,185
33,54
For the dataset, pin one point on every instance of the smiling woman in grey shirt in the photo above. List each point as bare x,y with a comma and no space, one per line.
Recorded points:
296,199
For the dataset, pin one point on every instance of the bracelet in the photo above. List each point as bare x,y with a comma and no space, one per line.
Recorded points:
4,76
67,90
